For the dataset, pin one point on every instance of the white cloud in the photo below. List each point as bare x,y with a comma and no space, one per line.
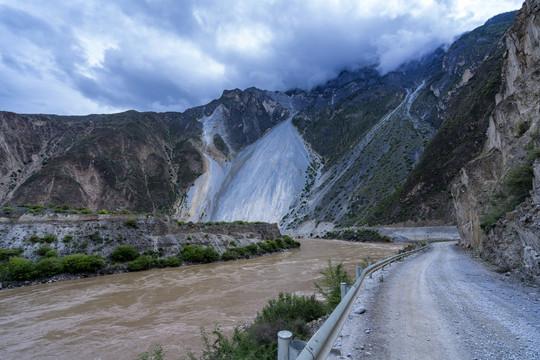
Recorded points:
156,55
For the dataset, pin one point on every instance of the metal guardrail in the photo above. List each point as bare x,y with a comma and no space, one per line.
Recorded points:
320,345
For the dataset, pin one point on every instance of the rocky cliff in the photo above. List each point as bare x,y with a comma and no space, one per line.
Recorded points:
496,196
463,95
101,234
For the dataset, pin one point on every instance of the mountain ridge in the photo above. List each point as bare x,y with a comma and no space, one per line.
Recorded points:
361,135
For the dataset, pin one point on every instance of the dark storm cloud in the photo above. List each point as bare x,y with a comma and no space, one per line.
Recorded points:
104,56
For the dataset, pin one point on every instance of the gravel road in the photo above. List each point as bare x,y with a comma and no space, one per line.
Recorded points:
442,304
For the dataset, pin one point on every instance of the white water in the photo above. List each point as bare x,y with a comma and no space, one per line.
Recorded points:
260,184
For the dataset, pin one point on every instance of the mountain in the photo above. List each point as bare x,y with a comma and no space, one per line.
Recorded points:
300,158
482,168
444,139
134,161
375,130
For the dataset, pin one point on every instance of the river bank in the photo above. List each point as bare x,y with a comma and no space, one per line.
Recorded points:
18,272
52,247
122,315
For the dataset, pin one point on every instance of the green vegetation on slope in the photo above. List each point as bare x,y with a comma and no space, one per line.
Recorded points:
459,140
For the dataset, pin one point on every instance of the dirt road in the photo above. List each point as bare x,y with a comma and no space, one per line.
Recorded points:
443,304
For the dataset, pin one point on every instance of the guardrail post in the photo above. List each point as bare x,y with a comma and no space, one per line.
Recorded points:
284,339
358,272
343,289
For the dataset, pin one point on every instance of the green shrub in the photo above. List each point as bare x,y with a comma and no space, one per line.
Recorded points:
51,254
5,254
521,128
42,250
174,261
264,247
330,286
131,223
228,255
34,239
160,263
49,266
49,238
124,253
290,308
241,252
514,190
519,181
151,253
66,239
95,237
290,242
77,263
199,254
143,262
58,209
20,269
156,353
103,212
272,245
258,340
252,248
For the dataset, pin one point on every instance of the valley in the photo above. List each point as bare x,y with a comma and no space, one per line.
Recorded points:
445,146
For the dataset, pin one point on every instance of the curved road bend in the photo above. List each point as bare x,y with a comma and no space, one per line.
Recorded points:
442,304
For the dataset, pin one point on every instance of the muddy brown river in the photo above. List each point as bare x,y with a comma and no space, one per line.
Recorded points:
119,316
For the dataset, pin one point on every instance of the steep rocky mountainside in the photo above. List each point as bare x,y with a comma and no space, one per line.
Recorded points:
305,159
372,130
507,173
481,170
135,161
476,61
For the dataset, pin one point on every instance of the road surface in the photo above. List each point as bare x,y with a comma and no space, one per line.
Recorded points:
443,304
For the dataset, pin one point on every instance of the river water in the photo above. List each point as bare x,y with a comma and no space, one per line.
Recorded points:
119,316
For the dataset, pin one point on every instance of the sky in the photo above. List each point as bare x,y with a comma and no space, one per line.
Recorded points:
90,56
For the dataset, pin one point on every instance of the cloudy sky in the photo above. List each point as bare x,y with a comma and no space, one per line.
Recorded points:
93,56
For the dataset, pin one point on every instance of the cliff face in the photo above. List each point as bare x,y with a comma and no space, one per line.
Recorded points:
463,96
101,234
502,176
